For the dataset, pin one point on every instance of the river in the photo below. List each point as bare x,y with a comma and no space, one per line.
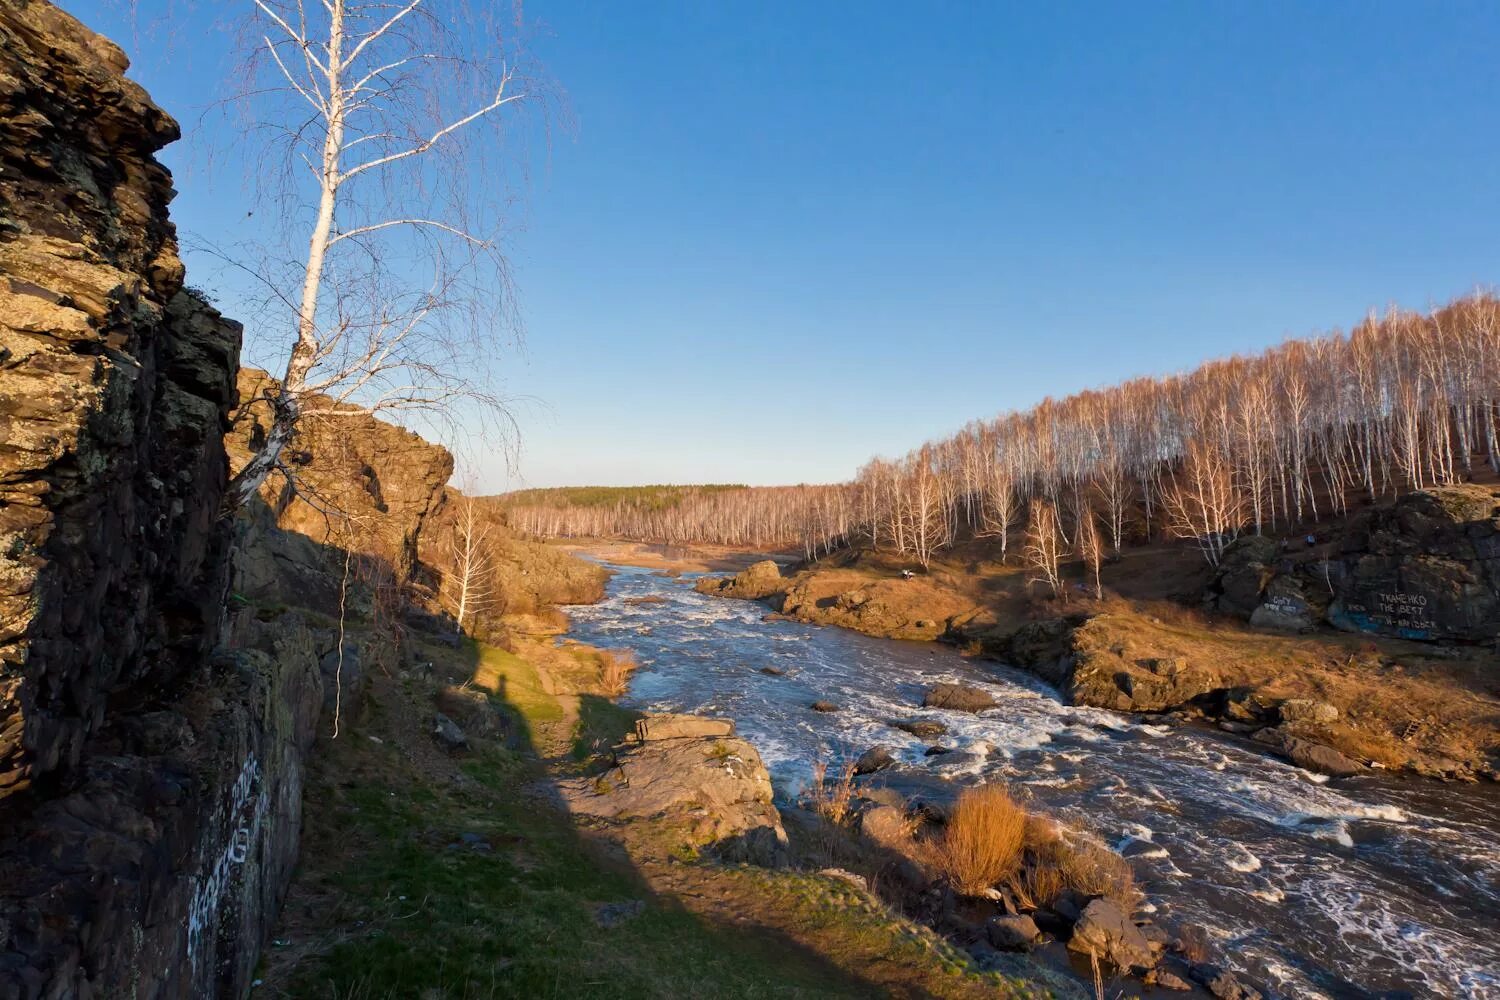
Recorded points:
1370,887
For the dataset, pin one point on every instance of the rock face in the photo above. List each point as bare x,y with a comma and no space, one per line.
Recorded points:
714,785
150,787
756,583
1086,661
114,383
385,481
1426,567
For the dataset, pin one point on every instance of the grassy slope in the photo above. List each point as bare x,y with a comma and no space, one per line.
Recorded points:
391,901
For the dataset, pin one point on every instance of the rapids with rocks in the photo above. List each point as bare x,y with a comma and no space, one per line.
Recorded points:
1367,887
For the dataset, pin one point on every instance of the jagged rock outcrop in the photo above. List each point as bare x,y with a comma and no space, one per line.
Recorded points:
754,583
1086,659
114,382
692,774
1426,567
357,483
150,786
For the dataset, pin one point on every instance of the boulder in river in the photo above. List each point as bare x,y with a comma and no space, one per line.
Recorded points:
755,583
1306,753
1222,983
958,698
874,759
922,729
1012,932
1106,932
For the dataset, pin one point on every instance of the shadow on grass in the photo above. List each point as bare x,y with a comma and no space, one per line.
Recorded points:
433,875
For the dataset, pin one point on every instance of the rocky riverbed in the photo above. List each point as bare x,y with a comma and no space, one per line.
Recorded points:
1310,885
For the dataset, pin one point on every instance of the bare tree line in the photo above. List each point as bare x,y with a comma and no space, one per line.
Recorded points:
1258,444
814,517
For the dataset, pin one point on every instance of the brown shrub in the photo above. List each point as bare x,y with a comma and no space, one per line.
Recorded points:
1037,883
1094,870
615,668
831,799
981,844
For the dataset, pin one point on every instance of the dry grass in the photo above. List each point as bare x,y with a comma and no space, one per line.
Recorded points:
982,841
1056,859
615,668
831,799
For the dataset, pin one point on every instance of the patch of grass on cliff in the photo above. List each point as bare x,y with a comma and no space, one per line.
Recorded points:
515,682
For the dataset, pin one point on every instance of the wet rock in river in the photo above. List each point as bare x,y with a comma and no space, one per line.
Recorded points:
1306,753
1222,983
958,698
922,729
1106,932
875,759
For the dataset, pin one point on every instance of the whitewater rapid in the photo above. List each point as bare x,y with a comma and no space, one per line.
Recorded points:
1364,888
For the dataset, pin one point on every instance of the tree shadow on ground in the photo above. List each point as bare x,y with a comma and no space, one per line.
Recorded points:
436,872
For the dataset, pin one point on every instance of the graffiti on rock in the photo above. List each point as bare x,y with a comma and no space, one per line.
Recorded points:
244,813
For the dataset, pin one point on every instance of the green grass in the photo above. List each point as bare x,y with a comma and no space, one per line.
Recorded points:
426,919
515,682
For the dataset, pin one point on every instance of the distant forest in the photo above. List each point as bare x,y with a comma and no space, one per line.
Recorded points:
1264,443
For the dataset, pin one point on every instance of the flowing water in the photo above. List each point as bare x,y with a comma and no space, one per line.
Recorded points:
1366,888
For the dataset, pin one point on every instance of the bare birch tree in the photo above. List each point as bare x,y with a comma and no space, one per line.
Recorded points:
468,582
375,111
1043,551
1091,548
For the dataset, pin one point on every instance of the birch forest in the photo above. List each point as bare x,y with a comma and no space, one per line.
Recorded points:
1265,444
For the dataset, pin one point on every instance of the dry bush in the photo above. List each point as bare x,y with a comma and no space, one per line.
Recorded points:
615,668
1036,883
981,844
1094,870
831,799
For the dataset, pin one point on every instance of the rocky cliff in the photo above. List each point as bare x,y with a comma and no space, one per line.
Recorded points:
150,778
1426,567
352,482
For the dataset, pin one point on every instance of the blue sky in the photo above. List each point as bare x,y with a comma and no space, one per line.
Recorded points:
783,237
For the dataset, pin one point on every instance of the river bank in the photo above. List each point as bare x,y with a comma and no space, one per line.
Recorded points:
1376,702
442,859
1316,888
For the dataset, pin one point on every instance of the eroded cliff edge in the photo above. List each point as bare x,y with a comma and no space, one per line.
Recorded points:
152,734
